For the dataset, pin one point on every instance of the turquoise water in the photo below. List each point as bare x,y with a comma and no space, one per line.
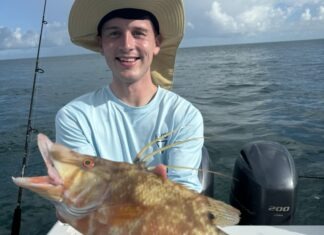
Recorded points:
271,91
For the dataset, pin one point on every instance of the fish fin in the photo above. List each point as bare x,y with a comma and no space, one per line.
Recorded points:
222,214
160,170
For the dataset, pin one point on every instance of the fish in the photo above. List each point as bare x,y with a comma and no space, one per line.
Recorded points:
99,196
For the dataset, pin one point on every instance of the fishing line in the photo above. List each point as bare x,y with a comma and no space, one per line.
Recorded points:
15,227
195,169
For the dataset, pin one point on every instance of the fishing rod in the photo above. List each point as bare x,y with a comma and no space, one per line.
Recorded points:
15,227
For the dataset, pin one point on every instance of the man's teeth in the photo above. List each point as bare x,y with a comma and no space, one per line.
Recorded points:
128,59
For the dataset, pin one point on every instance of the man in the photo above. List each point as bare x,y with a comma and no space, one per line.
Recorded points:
138,39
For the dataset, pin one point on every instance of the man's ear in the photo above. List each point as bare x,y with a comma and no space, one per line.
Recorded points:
99,41
158,41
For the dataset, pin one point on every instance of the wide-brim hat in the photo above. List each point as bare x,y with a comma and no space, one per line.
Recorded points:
85,16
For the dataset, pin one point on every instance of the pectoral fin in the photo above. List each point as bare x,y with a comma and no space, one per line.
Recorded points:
222,214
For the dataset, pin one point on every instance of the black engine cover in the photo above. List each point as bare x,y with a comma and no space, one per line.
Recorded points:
264,185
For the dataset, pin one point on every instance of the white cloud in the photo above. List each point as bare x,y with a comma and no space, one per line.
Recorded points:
255,19
321,13
10,39
264,18
54,34
251,20
224,21
191,25
318,14
301,3
306,15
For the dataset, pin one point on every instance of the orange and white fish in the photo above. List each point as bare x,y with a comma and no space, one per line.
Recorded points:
98,196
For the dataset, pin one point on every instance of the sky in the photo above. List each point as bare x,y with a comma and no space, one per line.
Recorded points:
208,22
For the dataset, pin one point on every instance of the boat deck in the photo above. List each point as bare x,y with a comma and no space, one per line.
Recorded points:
64,229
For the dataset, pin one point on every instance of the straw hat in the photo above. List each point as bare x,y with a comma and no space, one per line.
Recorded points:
86,14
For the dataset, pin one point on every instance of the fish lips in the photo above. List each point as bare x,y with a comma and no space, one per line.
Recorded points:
41,185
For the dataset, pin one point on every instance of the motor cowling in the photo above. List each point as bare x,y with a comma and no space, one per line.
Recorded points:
264,185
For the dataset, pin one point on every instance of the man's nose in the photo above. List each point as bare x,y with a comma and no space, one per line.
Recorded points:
127,41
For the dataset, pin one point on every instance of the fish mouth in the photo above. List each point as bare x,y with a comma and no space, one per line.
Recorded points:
50,187
41,185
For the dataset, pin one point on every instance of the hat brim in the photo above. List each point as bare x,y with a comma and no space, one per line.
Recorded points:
86,14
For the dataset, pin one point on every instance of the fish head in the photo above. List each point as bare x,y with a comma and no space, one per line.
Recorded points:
75,183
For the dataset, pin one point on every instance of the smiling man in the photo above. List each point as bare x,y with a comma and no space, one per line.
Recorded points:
129,47
139,40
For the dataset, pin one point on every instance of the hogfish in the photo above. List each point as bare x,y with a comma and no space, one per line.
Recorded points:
98,196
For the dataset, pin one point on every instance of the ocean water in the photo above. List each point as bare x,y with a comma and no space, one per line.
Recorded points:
270,91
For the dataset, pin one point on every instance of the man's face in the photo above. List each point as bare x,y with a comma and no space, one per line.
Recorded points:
129,47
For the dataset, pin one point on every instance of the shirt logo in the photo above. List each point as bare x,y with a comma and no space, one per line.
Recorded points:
162,142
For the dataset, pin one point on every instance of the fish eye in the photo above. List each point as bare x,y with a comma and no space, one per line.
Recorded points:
88,163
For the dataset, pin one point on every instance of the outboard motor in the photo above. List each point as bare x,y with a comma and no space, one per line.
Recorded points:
264,184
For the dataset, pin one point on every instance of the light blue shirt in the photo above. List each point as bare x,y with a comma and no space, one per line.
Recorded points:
99,124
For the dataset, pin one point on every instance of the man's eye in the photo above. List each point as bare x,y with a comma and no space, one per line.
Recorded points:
139,34
110,34
114,34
